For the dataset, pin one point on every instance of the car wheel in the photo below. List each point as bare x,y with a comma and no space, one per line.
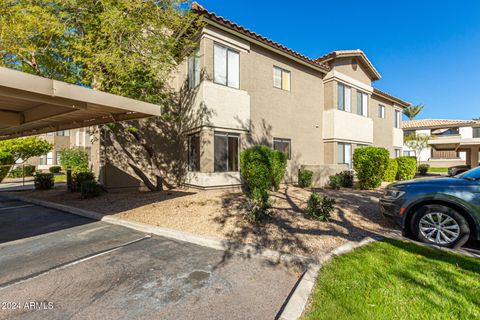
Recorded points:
440,225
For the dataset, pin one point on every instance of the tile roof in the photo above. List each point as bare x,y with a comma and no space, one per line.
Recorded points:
433,123
232,25
388,96
348,53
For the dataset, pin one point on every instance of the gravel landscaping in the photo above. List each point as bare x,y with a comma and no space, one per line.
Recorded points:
221,214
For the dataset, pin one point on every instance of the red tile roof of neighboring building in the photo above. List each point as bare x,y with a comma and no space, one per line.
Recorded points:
435,123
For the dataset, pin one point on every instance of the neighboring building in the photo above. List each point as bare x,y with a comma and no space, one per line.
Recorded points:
257,91
61,140
453,142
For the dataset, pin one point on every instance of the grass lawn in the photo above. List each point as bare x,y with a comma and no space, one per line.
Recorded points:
397,280
438,170
60,178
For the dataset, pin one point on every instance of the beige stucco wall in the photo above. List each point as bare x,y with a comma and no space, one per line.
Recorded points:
345,66
384,133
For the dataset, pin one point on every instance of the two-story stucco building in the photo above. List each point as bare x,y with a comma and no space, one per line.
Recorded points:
257,91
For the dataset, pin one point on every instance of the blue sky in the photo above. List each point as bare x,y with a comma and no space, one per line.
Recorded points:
427,52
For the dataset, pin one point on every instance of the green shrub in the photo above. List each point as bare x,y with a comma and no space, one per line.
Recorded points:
43,181
370,164
346,178
75,159
319,207
6,160
55,169
278,161
407,167
334,182
391,172
81,177
305,178
90,189
423,169
22,171
255,167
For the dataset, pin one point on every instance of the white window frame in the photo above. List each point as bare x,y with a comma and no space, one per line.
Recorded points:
346,155
282,85
362,103
347,98
381,111
398,119
227,66
228,135
193,69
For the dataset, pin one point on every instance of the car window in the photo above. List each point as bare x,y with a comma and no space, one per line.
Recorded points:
471,174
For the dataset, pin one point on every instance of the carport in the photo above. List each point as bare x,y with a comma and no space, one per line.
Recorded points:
471,146
31,105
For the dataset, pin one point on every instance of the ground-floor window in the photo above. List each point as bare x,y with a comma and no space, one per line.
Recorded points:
397,153
225,152
344,154
283,145
194,152
408,153
47,159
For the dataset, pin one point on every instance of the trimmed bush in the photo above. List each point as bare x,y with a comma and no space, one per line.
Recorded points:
90,189
407,167
346,178
6,160
304,178
423,169
319,207
81,177
278,161
21,171
55,169
391,172
43,181
334,182
370,164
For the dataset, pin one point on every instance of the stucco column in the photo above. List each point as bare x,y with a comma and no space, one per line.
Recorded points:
468,157
474,157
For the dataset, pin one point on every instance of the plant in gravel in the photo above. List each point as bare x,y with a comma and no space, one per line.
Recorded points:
90,189
81,177
407,167
391,171
304,178
370,164
343,179
423,169
278,161
319,207
43,181
334,182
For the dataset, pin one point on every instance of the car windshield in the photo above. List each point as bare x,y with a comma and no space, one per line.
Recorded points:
471,174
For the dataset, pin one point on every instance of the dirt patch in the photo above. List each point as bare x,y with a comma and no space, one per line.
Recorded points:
221,214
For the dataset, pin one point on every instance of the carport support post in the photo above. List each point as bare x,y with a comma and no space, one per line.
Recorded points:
474,156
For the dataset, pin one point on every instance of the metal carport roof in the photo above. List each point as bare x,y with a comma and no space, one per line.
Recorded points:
32,105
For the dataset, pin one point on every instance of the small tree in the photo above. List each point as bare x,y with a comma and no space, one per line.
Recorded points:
6,160
25,148
412,111
370,164
75,159
417,143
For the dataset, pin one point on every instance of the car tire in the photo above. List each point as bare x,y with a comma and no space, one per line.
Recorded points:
425,226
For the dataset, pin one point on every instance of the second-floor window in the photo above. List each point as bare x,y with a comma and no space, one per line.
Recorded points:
398,119
476,132
226,66
343,98
281,78
381,111
283,145
194,69
362,103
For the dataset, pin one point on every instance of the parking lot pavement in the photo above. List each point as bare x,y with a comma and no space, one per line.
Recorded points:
69,267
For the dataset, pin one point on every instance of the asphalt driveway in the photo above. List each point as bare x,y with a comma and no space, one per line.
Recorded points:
55,265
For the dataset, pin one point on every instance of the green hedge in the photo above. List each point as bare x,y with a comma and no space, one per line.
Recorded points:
6,160
90,189
407,167
21,171
278,162
43,181
423,169
55,169
304,178
370,164
391,172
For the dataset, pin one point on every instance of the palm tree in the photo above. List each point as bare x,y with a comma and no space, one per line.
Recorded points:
412,111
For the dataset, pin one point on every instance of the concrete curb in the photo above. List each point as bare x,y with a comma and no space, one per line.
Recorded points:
298,300
233,247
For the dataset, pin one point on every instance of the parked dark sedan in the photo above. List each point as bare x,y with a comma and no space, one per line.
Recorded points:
453,171
441,211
